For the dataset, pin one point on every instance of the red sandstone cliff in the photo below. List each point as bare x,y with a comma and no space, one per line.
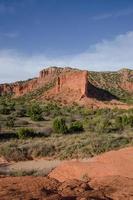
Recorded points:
65,79
68,86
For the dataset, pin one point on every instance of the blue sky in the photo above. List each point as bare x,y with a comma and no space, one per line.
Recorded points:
89,34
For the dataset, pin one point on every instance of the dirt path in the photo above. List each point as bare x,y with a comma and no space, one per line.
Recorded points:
41,165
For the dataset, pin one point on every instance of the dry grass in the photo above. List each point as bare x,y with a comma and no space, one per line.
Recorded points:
82,145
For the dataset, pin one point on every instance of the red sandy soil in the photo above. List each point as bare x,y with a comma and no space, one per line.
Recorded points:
111,172
104,177
113,163
42,188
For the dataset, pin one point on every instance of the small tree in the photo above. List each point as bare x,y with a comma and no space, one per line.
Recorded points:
59,125
35,112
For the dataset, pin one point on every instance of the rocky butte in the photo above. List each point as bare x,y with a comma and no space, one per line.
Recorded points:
64,80
66,86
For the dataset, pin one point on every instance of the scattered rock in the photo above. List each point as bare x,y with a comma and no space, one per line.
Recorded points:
44,188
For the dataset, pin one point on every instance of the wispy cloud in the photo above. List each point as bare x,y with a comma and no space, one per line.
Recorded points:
115,14
106,55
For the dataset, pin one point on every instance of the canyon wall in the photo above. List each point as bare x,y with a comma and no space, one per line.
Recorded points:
64,78
18,88
73,81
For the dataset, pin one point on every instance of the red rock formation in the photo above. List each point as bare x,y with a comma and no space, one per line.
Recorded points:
126,80
75,80
66,79
69,86
20,88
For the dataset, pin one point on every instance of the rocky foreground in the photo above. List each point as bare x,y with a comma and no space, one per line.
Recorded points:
47,188
108,176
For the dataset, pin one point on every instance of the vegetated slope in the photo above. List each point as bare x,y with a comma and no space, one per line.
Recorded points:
119,83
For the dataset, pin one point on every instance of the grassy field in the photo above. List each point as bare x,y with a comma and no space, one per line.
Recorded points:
83,145
61,132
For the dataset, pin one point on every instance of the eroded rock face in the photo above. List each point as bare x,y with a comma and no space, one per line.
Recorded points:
68,86
127,80
73,81
65,79
18,88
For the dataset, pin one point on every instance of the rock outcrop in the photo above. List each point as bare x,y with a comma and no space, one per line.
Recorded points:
68,86
65,79
75,80
23,87
44,188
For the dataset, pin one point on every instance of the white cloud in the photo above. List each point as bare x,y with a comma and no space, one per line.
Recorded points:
106,55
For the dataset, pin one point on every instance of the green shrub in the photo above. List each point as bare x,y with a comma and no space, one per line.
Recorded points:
7,106
4,109
11,105
52,109
76,126
130,120
124,120
59,126
103,126
23,133
35,112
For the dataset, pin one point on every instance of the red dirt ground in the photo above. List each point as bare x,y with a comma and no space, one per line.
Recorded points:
43,188
111,172
113,163
104,177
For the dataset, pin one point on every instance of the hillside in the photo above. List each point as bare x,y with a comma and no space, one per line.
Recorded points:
119,83
62,124
68,86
